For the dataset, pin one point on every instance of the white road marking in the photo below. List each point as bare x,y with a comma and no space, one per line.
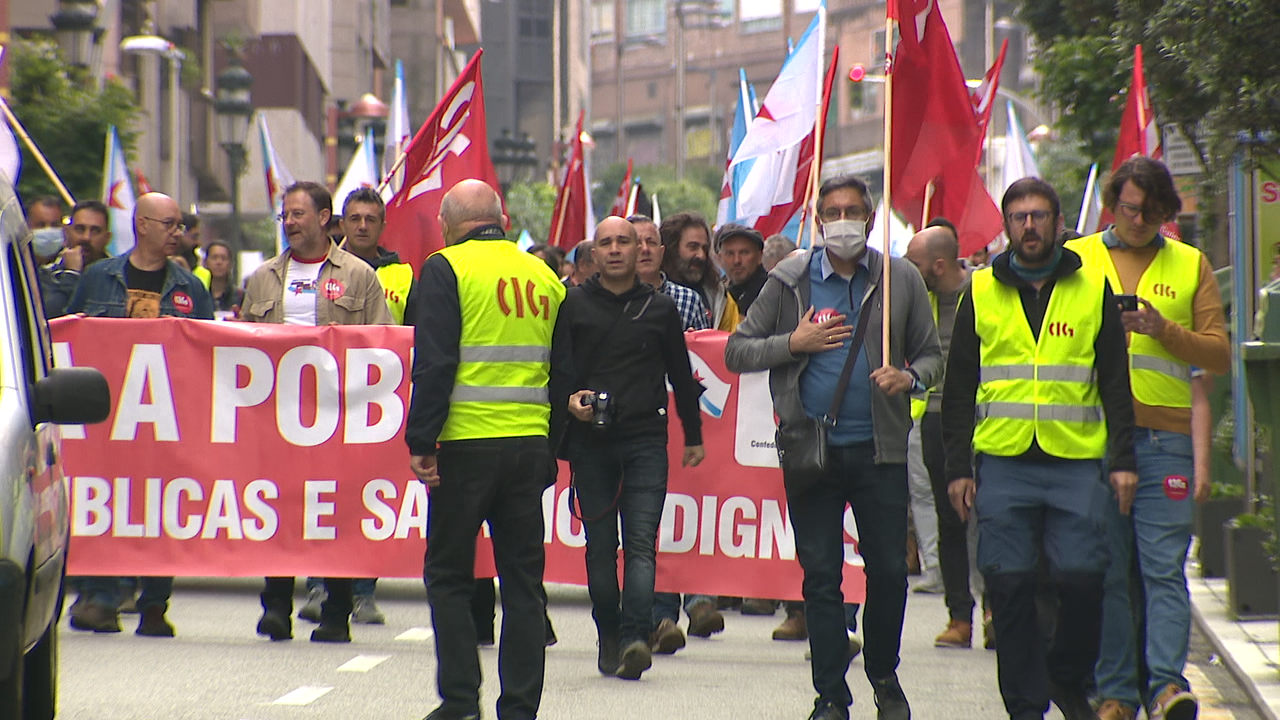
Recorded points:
362,663
416,634
302,696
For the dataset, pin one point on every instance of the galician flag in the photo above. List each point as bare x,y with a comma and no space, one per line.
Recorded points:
117,195
399,133
735,175
361,172
278,178
1019,160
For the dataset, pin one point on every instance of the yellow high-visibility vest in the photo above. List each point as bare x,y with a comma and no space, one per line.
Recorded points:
396,280
920,404
1043,388
509,302
1169,283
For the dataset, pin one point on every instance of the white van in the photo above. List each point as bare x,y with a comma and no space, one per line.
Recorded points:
34,399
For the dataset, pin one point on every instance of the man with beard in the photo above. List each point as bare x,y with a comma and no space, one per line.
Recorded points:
1037,394
812,360
686,239
935,252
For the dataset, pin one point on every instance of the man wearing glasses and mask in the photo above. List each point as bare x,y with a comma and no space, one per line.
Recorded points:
799,329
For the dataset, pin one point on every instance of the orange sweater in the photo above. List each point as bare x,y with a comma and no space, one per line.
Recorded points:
1205,346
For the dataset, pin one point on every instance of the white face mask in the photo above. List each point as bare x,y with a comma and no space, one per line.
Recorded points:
846,239
46,242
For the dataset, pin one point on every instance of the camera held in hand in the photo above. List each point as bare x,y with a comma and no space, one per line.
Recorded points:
603,409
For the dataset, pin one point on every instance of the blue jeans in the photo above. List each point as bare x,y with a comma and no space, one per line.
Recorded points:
627,478
1059,506
878,495
109,591
666,606
1160,526
364,587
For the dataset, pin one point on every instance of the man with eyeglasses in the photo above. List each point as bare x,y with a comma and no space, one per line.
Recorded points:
1036,406
800,329
1175,322
141,283
312,283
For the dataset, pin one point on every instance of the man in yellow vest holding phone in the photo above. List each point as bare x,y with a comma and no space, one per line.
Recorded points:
1173,314
1038,428
477,434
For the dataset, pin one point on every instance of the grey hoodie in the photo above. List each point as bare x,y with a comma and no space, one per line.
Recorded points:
761,343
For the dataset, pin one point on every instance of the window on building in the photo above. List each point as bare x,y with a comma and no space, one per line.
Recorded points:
863,100
759,15
646,17
535,18
602,16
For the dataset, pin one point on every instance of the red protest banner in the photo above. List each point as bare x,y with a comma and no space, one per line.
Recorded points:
243,450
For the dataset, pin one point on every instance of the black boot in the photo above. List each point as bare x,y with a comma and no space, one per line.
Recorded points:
275,621
335,613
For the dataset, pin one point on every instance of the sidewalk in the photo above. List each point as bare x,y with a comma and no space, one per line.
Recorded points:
1250,648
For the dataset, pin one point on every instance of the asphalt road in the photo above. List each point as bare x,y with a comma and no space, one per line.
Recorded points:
218,669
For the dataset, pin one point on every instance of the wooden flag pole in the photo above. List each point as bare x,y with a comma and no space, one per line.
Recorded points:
885,355
404,153
819,125
35,152
928,205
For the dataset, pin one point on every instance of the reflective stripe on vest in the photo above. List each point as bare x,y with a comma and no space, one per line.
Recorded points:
1170,284
509,301
1039,389
396,280
920,403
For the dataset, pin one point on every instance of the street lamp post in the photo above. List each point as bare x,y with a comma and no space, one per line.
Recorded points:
148,43
75,27
234,106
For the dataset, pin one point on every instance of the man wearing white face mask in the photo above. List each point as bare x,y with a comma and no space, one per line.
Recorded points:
799,328
57,280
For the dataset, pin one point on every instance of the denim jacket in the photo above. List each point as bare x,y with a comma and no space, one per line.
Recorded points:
103,292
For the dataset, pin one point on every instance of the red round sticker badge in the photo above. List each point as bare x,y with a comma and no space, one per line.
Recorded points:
1177,487
183,303
334,289
825,314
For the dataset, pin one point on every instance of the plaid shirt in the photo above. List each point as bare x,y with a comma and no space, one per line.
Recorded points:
693,312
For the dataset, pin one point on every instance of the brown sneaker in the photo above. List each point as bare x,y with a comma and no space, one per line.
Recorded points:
1174,703
793,628
97,618
959,634
667,639
1115,710
758,606
988,631
705,620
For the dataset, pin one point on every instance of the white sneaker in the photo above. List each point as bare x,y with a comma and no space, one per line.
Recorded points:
311,611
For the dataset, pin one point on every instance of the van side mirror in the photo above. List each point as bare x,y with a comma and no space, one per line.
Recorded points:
72,396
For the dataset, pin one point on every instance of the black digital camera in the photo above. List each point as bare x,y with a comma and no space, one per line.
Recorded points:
603,410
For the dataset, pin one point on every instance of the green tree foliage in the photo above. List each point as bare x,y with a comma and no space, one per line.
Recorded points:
67,118
1209,65
655,177
529,205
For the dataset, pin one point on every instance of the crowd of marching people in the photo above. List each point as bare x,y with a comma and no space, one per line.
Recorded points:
1033,419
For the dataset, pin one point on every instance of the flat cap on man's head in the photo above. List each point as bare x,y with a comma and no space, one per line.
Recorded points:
732,230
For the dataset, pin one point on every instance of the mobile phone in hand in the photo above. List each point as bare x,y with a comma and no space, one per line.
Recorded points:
1128,303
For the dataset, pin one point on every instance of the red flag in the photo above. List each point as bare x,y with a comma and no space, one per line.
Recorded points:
1139,135
569,218
983,97
144,187
935,136
777,219
624,194
450,147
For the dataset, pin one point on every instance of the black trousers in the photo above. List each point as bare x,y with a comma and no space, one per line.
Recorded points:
277,594
953,540
499,480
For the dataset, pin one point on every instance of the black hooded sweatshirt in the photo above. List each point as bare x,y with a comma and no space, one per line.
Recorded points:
626,345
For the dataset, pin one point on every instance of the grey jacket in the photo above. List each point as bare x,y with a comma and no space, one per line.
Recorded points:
761,343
